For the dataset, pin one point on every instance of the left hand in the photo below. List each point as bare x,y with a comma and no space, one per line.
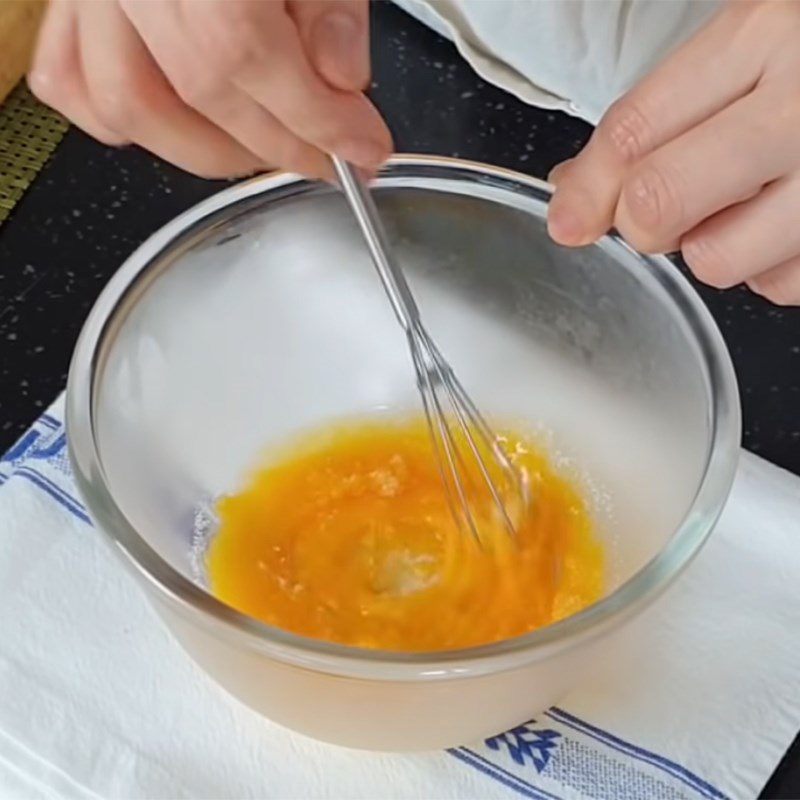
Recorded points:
703,155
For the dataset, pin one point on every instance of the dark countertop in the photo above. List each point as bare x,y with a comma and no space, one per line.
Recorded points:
92,206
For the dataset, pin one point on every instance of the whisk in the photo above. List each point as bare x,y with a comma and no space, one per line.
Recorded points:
445,402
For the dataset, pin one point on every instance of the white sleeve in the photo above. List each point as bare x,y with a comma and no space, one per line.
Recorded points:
574,55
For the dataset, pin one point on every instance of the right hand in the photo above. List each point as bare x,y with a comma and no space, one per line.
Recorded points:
221,88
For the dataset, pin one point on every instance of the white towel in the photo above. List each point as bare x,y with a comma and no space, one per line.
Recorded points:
96,700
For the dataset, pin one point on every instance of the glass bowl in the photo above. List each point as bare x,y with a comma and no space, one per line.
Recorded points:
257,313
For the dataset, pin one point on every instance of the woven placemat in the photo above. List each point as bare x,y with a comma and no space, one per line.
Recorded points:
29,133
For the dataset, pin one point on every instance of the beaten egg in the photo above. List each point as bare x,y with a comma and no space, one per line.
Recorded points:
347,536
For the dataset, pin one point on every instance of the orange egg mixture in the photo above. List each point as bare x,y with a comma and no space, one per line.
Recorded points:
348,537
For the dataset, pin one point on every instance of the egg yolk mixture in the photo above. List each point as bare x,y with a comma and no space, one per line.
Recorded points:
348,536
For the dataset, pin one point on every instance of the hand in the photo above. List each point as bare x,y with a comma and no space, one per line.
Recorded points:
219,87
703,155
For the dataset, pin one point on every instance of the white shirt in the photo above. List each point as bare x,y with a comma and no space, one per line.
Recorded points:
574,55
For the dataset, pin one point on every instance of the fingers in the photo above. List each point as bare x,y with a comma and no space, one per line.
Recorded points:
718,163
228,107
257,47
747,239
131,95
678,95
781,284
56,77
219,87
559,171
335,36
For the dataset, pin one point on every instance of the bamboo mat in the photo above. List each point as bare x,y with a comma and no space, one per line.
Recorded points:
29,133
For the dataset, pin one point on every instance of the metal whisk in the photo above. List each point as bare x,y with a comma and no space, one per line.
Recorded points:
444,400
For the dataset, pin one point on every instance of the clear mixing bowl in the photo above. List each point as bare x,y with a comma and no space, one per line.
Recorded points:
257,314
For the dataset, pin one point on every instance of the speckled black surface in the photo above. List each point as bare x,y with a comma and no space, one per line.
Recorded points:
91,207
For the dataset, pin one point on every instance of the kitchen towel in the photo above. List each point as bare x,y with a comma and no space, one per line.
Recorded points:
700,701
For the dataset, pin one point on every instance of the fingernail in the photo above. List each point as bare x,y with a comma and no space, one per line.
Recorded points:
564,226
363,153
342,50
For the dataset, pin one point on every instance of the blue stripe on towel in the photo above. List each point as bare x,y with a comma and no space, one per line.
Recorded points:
56,492
670,767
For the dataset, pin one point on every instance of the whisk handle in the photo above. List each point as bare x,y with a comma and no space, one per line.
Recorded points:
392,277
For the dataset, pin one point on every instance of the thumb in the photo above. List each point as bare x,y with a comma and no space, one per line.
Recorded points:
335,36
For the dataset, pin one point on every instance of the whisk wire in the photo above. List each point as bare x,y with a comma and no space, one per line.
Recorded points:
426,392
475,422
517,477
436,380
443,441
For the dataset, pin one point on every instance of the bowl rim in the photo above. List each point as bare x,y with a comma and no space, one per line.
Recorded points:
188,599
